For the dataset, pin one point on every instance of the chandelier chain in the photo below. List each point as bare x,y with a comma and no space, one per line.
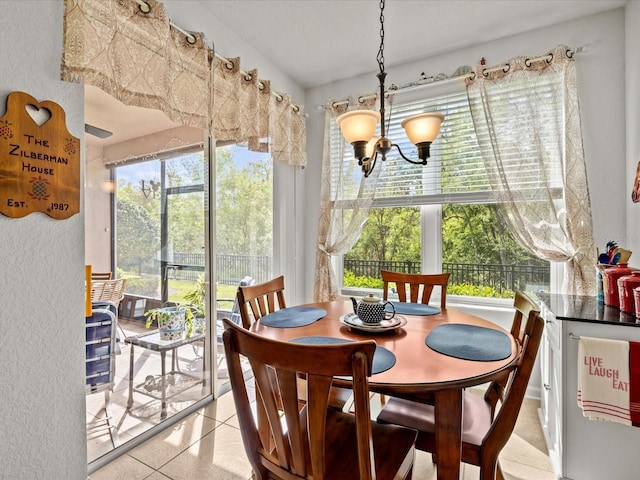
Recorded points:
380,56
357,125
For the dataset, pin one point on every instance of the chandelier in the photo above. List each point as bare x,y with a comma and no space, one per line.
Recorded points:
358,127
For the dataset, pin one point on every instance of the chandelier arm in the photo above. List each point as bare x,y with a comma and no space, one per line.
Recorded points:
415,162
369,164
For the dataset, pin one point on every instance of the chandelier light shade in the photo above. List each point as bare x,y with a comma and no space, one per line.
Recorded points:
423,128
358,127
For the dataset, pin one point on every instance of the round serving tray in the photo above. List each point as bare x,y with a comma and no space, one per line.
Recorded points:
354,323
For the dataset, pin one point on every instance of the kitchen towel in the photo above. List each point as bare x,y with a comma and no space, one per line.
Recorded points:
604,379
634,387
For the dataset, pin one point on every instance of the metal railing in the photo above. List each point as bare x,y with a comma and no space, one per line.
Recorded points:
232,268
499,277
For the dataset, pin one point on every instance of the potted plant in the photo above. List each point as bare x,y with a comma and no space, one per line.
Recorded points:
173,322
195,298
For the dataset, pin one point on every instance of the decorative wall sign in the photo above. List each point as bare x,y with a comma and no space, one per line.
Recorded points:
39,160
635,192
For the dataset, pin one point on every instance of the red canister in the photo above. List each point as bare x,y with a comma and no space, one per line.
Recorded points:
636,299
611,297
626,285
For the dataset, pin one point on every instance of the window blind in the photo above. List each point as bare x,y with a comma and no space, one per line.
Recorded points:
456,172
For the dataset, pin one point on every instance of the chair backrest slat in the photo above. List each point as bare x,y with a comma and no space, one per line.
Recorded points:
262,299
417,283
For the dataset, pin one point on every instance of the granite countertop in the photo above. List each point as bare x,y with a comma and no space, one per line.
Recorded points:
586,309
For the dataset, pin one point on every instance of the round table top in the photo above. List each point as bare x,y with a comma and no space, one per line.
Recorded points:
418,368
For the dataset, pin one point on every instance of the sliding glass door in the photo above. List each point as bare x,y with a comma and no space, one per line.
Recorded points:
160,240
244,230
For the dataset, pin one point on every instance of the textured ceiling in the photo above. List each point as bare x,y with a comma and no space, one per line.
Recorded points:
319,41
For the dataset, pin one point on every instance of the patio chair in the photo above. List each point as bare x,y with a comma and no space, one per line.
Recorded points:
485,428
232,314
109,291
100,349
303,438
415,283
100,275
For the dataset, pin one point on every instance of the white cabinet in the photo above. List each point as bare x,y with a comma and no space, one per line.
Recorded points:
551,397
579,448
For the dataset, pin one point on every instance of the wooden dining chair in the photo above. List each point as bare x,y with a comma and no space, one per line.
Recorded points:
414,287
100,275
261,299
309,439
256,301
485,427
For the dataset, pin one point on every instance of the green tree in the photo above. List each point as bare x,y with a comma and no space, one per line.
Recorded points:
244,213
186,222
389,234
138,234
477,234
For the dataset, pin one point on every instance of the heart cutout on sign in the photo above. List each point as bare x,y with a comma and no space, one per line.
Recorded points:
39,115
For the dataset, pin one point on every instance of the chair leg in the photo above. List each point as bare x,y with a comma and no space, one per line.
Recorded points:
490,470
115,440
499,474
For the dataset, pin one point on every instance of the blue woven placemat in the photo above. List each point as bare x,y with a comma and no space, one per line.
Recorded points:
469,342
293,317
383,359
406,308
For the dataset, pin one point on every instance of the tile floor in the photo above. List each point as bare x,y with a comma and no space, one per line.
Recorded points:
145,413
208,445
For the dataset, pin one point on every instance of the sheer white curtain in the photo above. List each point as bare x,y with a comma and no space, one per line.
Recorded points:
345,199
529,112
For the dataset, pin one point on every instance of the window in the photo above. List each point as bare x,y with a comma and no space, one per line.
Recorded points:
442,217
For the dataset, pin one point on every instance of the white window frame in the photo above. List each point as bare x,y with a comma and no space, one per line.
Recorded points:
431,220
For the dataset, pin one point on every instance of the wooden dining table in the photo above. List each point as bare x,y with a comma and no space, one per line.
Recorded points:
419,373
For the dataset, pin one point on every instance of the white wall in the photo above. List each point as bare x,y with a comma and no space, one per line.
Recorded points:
42,399
632,64
601,84
98,207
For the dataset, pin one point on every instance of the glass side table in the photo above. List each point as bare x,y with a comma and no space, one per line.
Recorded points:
181,380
